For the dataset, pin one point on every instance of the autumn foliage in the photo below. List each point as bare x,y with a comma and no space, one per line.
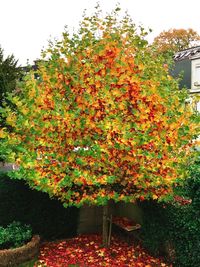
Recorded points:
87,251
175,40
104,119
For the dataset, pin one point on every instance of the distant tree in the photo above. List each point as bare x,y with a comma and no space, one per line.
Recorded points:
174,40
9,73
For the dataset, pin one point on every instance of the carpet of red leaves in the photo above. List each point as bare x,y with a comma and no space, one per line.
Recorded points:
87,251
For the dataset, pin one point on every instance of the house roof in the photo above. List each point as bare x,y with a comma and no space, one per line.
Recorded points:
190,53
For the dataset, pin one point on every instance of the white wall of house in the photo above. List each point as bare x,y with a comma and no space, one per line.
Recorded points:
195,79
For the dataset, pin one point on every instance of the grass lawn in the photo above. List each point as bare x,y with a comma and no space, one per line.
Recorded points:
28,264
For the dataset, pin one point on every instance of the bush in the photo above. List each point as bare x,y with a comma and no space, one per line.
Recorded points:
47,217
14,235
173,230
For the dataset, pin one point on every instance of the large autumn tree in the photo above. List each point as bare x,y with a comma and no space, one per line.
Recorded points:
175,40
103,121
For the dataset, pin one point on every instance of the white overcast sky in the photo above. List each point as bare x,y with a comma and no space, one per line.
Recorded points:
27,25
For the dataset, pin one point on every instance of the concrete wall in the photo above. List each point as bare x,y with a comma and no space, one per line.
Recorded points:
129,210
90,218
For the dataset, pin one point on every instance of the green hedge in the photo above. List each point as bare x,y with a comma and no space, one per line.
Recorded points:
47,217
173,230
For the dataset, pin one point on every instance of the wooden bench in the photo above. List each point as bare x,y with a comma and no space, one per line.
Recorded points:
127,227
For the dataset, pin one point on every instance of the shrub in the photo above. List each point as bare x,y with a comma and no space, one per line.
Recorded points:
47,217
14,235
173,230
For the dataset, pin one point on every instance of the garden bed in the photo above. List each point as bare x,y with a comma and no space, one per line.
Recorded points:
87,251
15,256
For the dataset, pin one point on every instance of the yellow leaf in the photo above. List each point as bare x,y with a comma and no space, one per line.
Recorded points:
11,119
121,105
155,196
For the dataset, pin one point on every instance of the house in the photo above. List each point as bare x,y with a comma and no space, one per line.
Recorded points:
187,64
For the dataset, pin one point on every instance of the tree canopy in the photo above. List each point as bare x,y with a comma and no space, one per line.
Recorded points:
9,73
104,119
175,40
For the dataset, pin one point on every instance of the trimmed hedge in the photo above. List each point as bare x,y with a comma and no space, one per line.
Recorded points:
47,217
173,230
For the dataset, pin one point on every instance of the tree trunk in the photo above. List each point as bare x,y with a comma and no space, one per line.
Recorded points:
105,225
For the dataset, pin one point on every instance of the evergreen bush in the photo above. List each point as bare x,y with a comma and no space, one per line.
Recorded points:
14,235
173,230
